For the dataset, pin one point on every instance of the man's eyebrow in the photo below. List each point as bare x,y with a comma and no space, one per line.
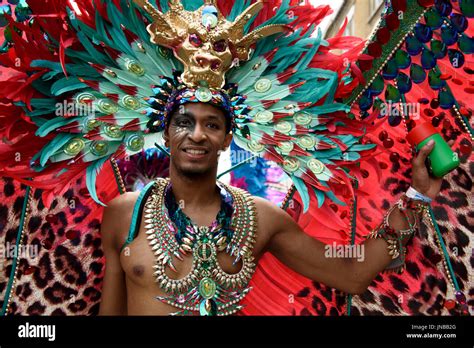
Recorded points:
186,113
214,117
208,117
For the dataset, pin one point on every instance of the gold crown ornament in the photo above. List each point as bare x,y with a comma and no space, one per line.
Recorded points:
205,42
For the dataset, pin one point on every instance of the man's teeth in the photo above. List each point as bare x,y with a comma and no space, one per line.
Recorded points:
195,152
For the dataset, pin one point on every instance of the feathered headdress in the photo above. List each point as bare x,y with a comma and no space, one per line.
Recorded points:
103,87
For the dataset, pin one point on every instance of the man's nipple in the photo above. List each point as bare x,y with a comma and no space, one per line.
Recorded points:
138,270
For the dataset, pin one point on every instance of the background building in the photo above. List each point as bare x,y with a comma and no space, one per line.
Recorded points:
362,15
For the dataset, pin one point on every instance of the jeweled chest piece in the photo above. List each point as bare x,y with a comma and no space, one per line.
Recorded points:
205,252
207,289
205,249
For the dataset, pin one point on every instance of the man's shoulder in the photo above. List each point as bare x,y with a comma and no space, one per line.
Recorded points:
268,211
118,211
117,218
123,202
127,198
263,204
271,219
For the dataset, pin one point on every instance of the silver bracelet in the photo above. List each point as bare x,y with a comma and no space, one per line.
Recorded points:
415,195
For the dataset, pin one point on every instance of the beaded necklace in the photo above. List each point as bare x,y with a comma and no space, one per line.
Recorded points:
184,224
207,289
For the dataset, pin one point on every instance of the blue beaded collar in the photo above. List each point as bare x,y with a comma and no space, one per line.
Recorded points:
182,221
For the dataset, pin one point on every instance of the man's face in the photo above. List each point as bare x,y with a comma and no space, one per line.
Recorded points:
196,135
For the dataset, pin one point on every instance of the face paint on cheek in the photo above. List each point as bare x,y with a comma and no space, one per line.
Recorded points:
182,129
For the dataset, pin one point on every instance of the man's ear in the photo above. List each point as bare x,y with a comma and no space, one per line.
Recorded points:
166,136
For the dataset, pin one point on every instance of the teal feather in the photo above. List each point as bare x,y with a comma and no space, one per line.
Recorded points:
322,155
67,84
118,18
139,26
319,196
351,156
50,75
95,56
155,64
80,55
303,63
277,91
237,8
164,5
248,25
247,75
362,147
55,123
72,69
43,103
129,79
283,58
53,146
332,196
192,5
116,31
327,109
303,191
39,112
43,86
91,177
281,17
100,27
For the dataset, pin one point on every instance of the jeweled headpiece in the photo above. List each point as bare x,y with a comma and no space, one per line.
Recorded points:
205,42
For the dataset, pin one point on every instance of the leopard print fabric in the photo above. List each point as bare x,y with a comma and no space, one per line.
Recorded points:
61,272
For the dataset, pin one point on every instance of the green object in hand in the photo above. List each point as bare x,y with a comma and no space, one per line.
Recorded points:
442,159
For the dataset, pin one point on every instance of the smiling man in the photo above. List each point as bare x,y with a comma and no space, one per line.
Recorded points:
189,244
193,243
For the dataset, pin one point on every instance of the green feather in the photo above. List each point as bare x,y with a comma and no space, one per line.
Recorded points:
91,177
237,9
116,32
303,191
332,196
192,5
55,123
319,196
67,84
53,146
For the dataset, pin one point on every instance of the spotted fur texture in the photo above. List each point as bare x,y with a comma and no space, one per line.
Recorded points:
424,286
63,275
